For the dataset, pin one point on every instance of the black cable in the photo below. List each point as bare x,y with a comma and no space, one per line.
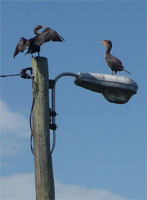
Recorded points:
54,142
23,74
32,107
8,75
35,94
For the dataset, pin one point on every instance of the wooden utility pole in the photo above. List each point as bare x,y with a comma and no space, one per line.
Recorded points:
44,180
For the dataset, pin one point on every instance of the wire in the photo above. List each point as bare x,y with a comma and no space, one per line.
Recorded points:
8,75
54,142
23,74
35,94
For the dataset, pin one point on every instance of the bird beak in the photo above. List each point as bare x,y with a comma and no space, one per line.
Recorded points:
102,42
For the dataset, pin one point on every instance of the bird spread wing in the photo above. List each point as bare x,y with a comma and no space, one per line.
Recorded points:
48,34
21,46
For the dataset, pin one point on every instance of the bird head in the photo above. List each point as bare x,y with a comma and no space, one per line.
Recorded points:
37,28
106,43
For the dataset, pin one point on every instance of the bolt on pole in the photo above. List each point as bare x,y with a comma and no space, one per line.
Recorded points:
44,180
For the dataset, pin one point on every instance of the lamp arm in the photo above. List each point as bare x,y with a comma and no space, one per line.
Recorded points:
53,100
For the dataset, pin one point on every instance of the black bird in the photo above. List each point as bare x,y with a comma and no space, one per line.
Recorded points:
114,63
33,44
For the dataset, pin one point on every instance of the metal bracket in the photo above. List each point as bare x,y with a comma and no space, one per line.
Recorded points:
53,126
51,83
24,75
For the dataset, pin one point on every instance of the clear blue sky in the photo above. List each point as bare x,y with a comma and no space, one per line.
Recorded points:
100,145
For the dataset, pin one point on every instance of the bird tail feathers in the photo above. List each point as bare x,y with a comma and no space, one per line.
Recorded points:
61,38
126,71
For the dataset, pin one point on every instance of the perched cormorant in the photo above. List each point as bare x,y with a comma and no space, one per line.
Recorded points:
33,44
114,63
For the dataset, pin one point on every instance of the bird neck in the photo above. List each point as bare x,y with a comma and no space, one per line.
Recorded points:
108,49
36,32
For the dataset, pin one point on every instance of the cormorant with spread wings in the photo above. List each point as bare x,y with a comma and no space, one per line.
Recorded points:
33,44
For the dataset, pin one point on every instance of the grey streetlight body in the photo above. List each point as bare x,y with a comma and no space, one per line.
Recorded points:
116,89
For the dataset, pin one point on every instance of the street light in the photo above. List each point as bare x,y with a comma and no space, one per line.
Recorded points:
115,89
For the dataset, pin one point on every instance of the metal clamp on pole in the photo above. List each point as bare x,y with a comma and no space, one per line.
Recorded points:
24,74
52,113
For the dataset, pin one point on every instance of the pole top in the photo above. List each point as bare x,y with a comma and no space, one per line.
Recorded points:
39,58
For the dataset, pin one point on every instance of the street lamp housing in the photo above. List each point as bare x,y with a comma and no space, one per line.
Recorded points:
115,88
